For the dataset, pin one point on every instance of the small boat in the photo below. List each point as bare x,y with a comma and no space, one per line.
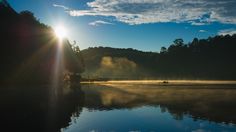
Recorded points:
165,82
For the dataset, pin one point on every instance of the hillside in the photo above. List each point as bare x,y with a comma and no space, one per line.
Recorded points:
212,58
29,49
106,62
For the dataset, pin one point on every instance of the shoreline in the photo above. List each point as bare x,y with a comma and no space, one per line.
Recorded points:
165,82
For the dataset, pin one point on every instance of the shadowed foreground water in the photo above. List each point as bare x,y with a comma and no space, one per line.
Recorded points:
122,107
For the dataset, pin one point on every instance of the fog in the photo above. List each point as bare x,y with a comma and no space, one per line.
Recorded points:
116,67
169,82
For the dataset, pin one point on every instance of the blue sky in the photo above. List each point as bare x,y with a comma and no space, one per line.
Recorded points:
141,24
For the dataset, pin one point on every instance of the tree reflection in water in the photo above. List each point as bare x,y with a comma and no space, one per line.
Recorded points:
215,103
30,108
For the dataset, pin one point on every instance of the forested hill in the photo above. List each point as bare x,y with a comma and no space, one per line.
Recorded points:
212,58
29,49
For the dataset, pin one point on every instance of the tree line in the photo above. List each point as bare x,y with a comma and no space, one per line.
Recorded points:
29,49
211,58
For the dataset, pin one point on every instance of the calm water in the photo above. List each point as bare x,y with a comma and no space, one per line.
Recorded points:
122,107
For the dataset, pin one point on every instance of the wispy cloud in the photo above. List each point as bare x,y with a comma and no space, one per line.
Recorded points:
197,23
198,12
227,32
202,31
100,22
61,6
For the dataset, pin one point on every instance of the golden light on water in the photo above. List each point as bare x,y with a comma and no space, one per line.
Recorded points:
170,82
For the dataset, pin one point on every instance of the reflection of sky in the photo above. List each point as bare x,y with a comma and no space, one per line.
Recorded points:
145,107
120,34
140,119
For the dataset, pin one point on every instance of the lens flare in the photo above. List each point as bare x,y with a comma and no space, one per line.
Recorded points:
60,31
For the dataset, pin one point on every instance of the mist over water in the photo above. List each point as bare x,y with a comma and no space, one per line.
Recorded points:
154,107
48,84
121,106
165,82
116,67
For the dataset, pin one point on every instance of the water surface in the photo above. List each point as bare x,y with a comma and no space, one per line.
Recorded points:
120,107
154,107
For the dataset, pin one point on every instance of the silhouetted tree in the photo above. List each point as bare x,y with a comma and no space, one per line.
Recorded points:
179,42
29,49
211,58
163,50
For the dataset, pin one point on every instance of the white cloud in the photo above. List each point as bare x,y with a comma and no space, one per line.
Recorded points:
61,6
197,23
227,32
100,22
198,12
202,31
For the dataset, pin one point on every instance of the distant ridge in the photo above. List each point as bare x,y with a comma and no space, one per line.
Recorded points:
212,58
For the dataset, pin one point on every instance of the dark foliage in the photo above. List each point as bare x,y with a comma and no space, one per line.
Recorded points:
28,54
29,49
212,58
39,108
144,60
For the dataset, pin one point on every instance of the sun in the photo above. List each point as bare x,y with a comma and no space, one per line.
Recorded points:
60,31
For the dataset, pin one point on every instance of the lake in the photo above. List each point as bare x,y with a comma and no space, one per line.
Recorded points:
121,107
